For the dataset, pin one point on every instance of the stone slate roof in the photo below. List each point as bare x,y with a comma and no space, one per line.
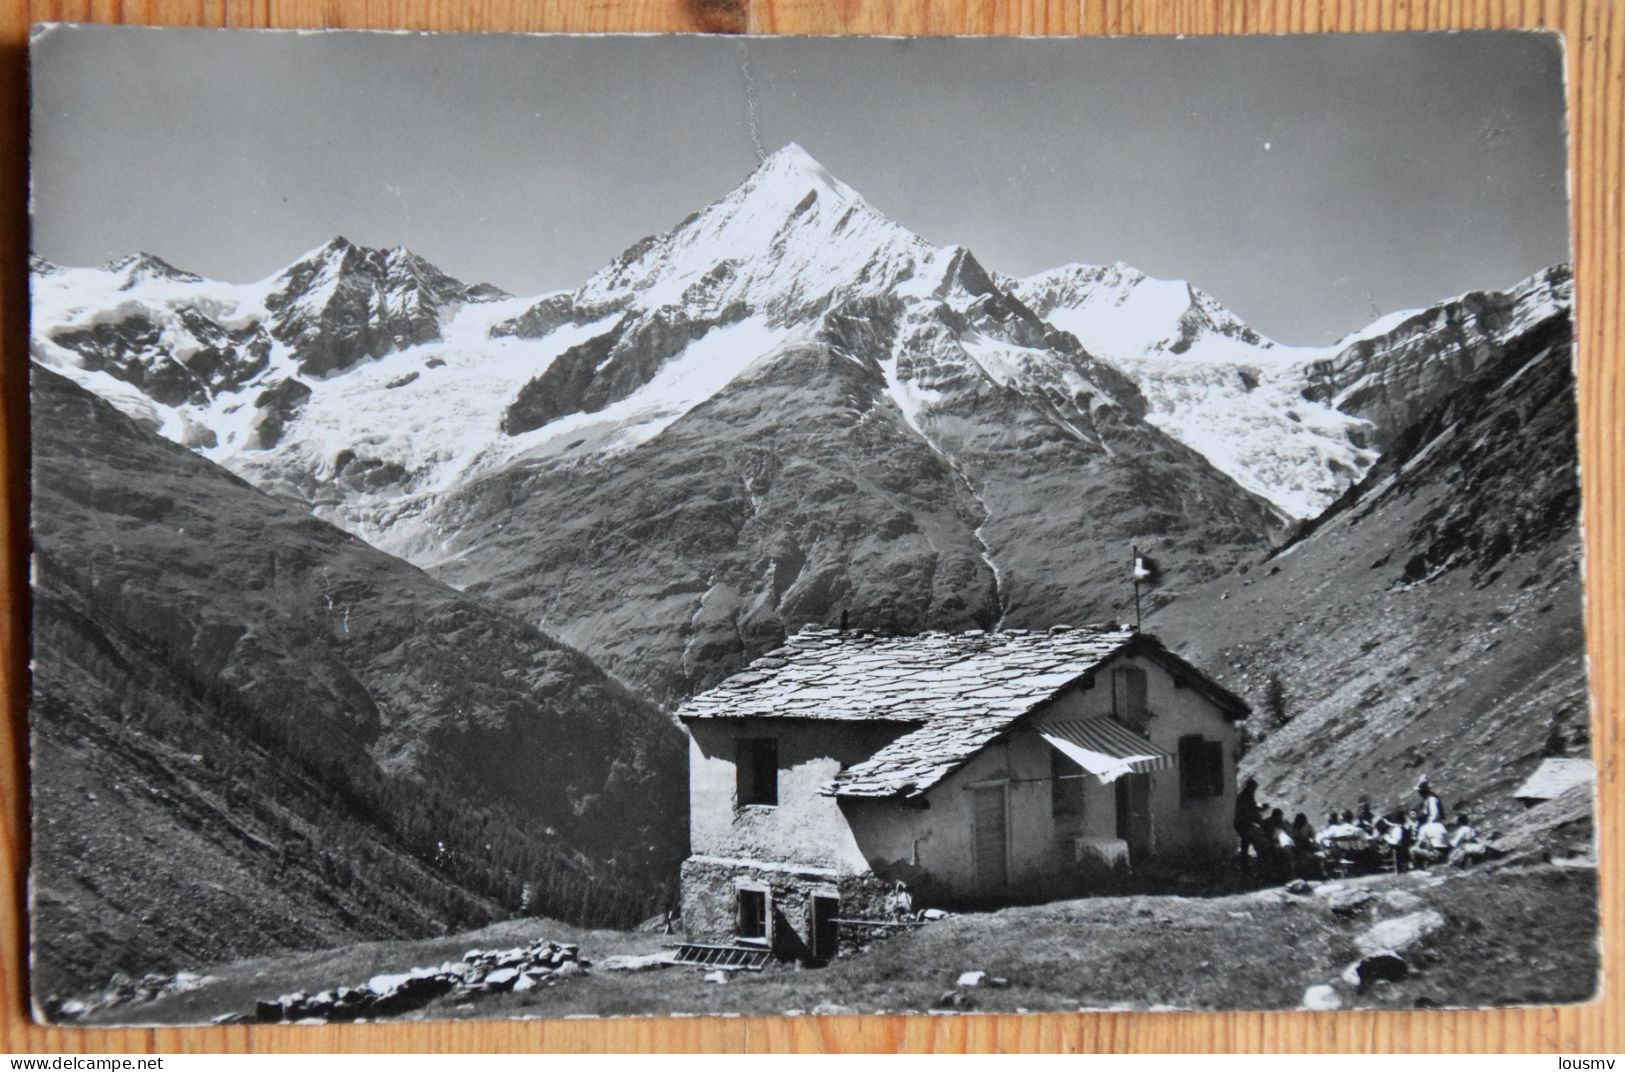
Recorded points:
827,674
960,690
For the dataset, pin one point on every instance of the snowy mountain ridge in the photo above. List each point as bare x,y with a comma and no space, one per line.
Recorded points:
369,382
1285,422
1120,311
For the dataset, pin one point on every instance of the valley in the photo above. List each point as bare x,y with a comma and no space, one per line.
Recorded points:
366,593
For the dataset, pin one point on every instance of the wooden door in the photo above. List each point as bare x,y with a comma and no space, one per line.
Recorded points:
1134,814
823,929
991,838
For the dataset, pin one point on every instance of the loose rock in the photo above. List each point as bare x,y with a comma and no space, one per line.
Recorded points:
1350,903
502,979
829,1008
628,962
1397,934
1403,900
1322,998
480,971
1386,966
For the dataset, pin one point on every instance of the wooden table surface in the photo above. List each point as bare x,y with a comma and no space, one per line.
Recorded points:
1595,31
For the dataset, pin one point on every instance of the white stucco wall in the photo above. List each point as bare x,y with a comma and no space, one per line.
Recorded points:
805,827
937,839
1191,827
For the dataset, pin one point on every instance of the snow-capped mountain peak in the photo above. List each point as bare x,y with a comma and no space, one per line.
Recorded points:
782,240
1116,310
792,255
371,381
330,256
226,367
136,268
1210,380
791,171
1295,424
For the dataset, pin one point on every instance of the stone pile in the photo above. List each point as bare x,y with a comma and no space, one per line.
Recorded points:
522,968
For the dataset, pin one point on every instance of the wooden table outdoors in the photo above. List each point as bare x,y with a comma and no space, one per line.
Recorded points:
1595,32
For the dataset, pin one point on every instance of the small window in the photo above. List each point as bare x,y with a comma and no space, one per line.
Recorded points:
1128,696
757,767
1067,785
752,924
1201,768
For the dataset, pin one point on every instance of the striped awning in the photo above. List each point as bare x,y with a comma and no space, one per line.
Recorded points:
1105,748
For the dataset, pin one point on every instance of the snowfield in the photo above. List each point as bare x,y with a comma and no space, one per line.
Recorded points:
1253,423
1231,394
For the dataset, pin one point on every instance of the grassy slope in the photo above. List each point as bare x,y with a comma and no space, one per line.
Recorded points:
253,731
155,857
1520,935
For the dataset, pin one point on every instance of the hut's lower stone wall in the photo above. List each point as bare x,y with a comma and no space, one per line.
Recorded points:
710,899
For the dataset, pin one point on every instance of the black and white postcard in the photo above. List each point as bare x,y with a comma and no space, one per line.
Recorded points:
539,526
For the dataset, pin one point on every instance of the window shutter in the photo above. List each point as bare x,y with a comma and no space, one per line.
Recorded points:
1201,768
1215,767
1192,767
1128,695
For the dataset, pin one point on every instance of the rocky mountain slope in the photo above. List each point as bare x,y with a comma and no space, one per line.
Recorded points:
1430,622
254,731
1297,425
1394,378
880,430
786,407
224,367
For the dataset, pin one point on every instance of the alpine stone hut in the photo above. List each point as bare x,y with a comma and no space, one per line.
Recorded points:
971,767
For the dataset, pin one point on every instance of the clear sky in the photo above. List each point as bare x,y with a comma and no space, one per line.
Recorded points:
1308,183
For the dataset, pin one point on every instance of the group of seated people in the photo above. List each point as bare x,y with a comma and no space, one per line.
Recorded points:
1351,843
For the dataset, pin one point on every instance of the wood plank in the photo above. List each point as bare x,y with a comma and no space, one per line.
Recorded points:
1595,31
